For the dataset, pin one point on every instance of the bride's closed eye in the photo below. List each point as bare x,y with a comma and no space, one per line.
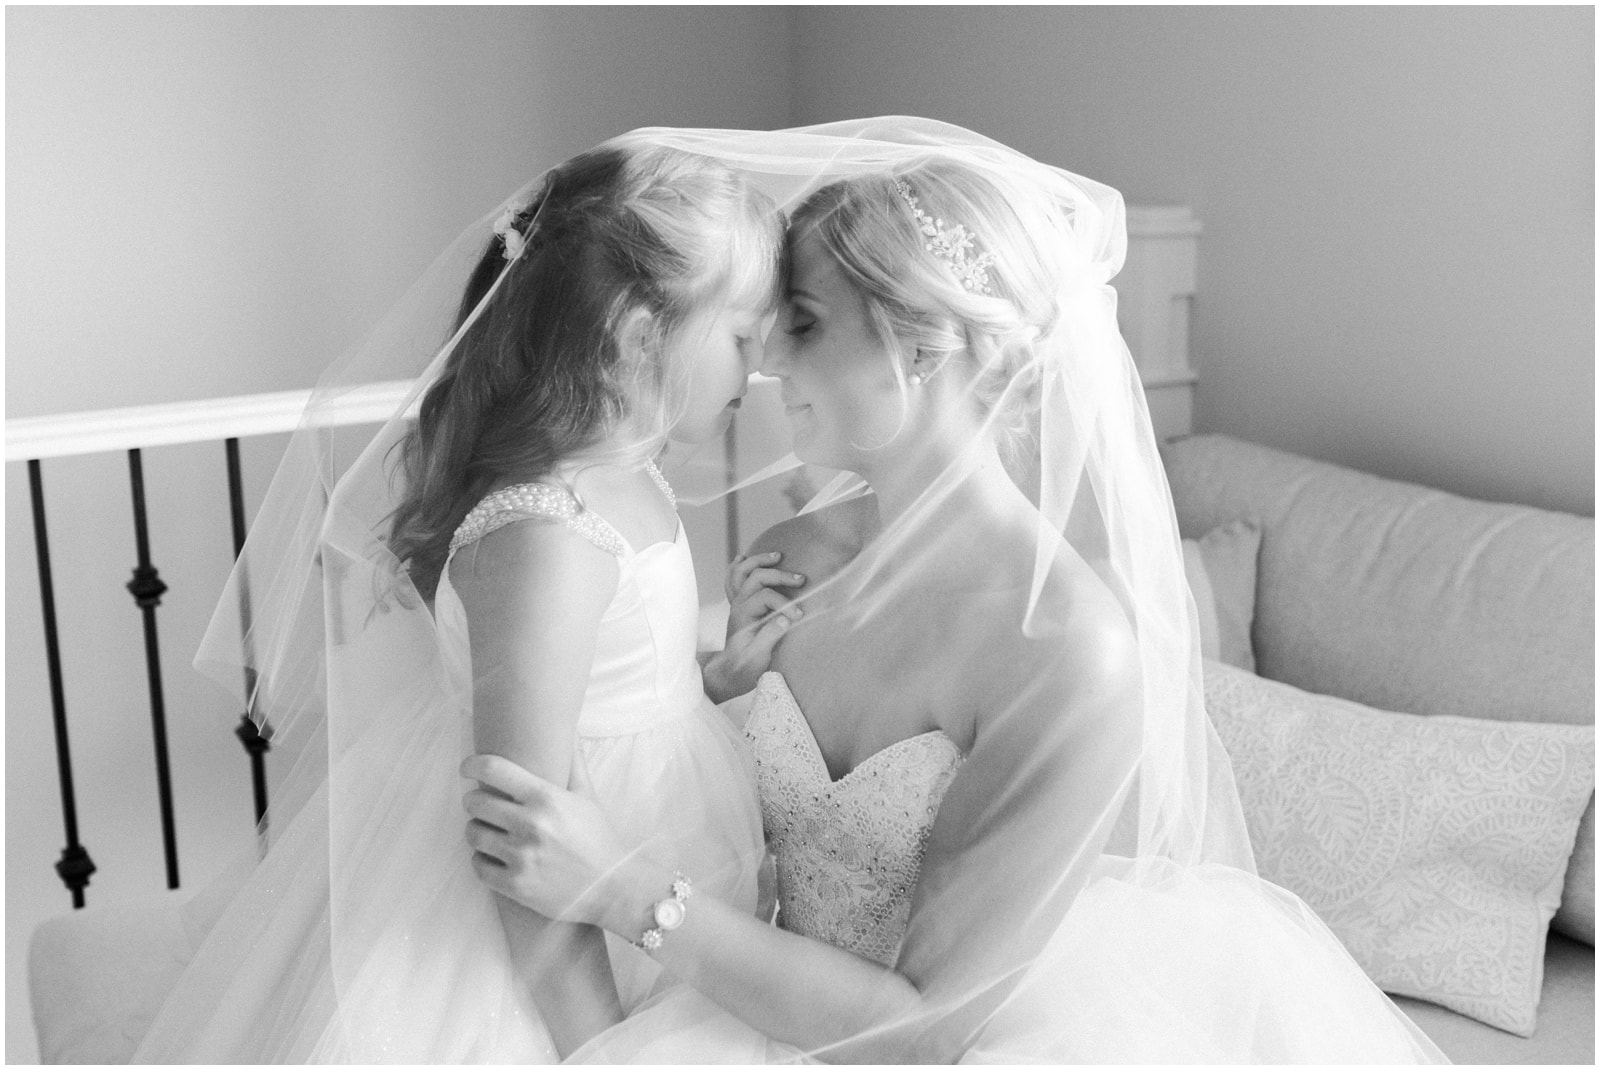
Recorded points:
794,320
798,322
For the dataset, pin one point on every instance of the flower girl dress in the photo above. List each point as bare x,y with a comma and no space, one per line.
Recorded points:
422,972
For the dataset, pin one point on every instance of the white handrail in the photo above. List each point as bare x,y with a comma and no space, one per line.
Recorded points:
211,420
175,423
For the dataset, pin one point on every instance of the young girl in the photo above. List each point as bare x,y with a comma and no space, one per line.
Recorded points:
506,575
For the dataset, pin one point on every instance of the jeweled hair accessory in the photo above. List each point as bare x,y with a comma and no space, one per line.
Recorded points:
954,245
510,236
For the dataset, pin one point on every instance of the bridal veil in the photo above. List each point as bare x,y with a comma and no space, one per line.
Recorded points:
341,647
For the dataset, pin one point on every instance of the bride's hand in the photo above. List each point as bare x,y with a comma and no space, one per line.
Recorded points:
549,848
758,616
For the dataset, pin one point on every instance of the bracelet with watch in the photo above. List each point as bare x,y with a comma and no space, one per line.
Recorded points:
667,914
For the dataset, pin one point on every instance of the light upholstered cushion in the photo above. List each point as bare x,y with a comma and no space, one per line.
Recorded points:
1407,598
1221,569
98,976
1434,847
1566,1017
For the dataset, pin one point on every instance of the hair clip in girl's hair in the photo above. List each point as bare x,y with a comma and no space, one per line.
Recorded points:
510,237
952,245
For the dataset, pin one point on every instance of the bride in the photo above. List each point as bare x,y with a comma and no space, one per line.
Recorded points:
1004,829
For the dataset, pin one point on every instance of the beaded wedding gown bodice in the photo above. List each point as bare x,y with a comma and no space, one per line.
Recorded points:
848,851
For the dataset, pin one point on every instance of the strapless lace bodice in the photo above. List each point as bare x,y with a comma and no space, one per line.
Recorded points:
848,851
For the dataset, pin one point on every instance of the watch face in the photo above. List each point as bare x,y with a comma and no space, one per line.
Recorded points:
669,914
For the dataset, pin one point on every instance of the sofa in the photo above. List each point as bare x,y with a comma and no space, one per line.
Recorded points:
1377,601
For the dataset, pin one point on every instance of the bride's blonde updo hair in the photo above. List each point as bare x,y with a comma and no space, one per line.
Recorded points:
540,376
989,320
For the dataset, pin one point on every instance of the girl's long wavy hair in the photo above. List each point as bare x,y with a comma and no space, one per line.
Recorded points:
539,378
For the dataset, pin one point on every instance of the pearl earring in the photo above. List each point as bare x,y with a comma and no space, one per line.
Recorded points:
915,380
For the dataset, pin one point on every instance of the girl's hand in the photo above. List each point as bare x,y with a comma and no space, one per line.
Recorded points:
750,587
549,848
758,616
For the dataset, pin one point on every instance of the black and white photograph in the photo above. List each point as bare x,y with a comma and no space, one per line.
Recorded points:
772,534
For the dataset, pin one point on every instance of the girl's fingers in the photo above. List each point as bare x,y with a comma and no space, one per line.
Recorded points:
767,578
755,641
767,635
742,567
765,601
745,564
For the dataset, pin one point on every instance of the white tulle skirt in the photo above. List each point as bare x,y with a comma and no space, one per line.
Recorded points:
1154,964
400,955
1158,963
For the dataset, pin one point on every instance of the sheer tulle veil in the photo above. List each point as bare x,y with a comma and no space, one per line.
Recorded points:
346,669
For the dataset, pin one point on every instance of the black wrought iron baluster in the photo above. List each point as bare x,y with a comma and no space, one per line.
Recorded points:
147,589
256,743
75,866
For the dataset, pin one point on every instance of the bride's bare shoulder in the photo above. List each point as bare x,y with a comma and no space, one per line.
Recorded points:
821,542
1076,629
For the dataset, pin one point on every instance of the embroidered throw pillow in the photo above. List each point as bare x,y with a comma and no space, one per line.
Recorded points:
1221,569
1435,847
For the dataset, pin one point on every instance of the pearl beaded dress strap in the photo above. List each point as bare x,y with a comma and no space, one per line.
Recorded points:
546,501
661,481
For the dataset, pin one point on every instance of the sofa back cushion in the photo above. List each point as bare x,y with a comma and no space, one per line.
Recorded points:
1406,598
1398,596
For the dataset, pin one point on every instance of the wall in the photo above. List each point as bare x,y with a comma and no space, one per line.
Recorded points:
204,202
1397,269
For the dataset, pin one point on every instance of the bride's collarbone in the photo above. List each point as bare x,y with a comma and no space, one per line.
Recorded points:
866,687
935,658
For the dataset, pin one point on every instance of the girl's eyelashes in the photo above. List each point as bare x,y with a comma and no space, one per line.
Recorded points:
795,330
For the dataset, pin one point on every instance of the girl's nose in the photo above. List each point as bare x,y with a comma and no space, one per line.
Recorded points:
754,353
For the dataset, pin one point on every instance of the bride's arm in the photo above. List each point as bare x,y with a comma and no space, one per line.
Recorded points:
534,594
1020,829
792,988
1057,751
